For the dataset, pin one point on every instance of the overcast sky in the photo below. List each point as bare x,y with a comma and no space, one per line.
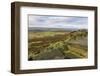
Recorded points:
58,21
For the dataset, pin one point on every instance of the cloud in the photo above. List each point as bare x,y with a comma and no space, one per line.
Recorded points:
58,21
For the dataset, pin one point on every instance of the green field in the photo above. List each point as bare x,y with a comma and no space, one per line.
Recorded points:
57,45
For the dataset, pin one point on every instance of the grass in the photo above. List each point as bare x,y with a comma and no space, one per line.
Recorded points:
33,35
57,45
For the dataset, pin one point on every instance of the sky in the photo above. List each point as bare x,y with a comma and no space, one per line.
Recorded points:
58,21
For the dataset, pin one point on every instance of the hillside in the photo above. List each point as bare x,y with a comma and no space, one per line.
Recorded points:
66,45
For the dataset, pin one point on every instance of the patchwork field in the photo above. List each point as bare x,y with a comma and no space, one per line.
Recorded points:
57,45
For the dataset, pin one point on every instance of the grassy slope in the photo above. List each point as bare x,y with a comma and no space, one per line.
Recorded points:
52,45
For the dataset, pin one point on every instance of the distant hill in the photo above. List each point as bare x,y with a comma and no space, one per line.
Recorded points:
41,29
